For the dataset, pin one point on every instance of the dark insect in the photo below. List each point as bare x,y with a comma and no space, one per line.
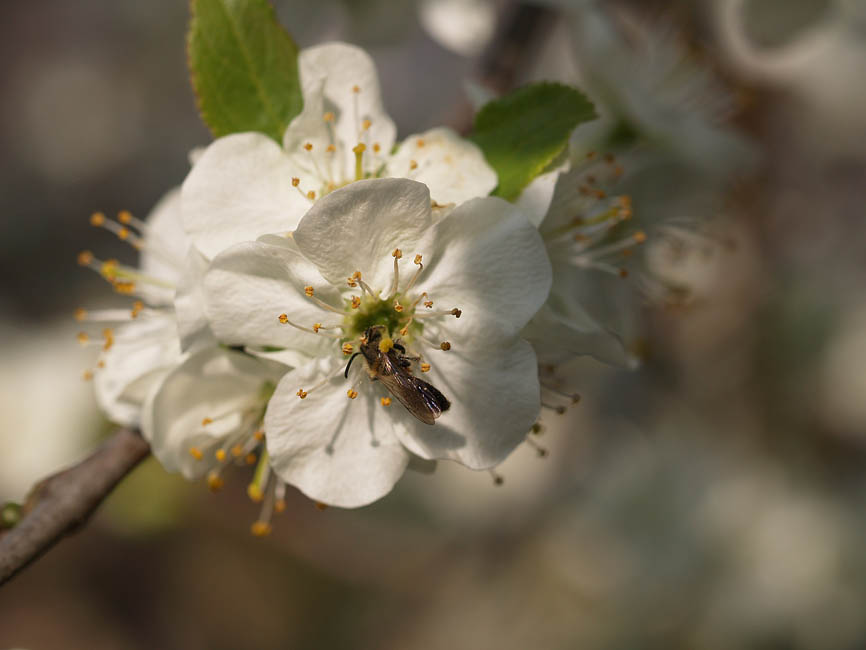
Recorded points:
423,400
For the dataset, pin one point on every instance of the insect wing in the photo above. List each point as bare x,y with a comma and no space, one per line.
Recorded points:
421,399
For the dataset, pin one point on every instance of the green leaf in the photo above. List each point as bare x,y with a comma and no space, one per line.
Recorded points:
523,132
244,67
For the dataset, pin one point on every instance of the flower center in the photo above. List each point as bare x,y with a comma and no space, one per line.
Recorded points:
401,315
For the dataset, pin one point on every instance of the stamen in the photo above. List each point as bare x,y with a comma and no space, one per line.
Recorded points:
87,375
301,393
385,401
553,407
356,302
284,319
418,299
347,348
445,346
358,150
498,479
425,367
195,452
214,481
351,393
411,284
541,451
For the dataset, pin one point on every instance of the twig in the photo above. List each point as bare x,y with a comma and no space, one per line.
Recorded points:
61,503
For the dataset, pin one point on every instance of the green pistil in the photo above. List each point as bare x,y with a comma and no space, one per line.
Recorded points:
375,311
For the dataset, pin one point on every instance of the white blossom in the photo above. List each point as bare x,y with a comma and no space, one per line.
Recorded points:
454,293
246,185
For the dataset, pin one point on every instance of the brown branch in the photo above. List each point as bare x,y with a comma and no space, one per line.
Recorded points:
61,503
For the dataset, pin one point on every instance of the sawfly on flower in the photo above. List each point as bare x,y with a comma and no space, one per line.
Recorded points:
392,368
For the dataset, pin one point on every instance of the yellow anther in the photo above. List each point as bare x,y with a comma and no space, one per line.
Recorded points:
124,216
356,275
377,147
351,394
640,237
206,421
108,335
214,482
417,260
309,291
351,282
413,165
109,268
296,181
385,401
419,142
425,367
260,529
328,117
280,505
356,89
85,258
311,195
87,375
237,450
397,254
398,307
250,459
259,436
301,393
456,312
623,273
330,148
386,344
123,233
317,327
100,364
97,219
195,452
366,124
254,492
80,314
404,330
221,455
124,288
359,148
348,348
618,170
445,345
82,338
428,304
308,146
356,302
284,318
609,157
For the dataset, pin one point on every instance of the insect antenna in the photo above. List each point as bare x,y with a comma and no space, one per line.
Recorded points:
349,365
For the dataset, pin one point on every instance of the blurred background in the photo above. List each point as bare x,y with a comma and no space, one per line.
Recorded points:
713,498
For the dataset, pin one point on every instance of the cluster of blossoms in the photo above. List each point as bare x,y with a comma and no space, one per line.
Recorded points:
273,267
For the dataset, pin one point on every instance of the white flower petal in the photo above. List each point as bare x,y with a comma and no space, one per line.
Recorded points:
165,247
556,339
249,285
316,167
189,305
240,188
488,260
215,383
495,399
453,168
336,450
142,351
535,199
356,228
343,68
